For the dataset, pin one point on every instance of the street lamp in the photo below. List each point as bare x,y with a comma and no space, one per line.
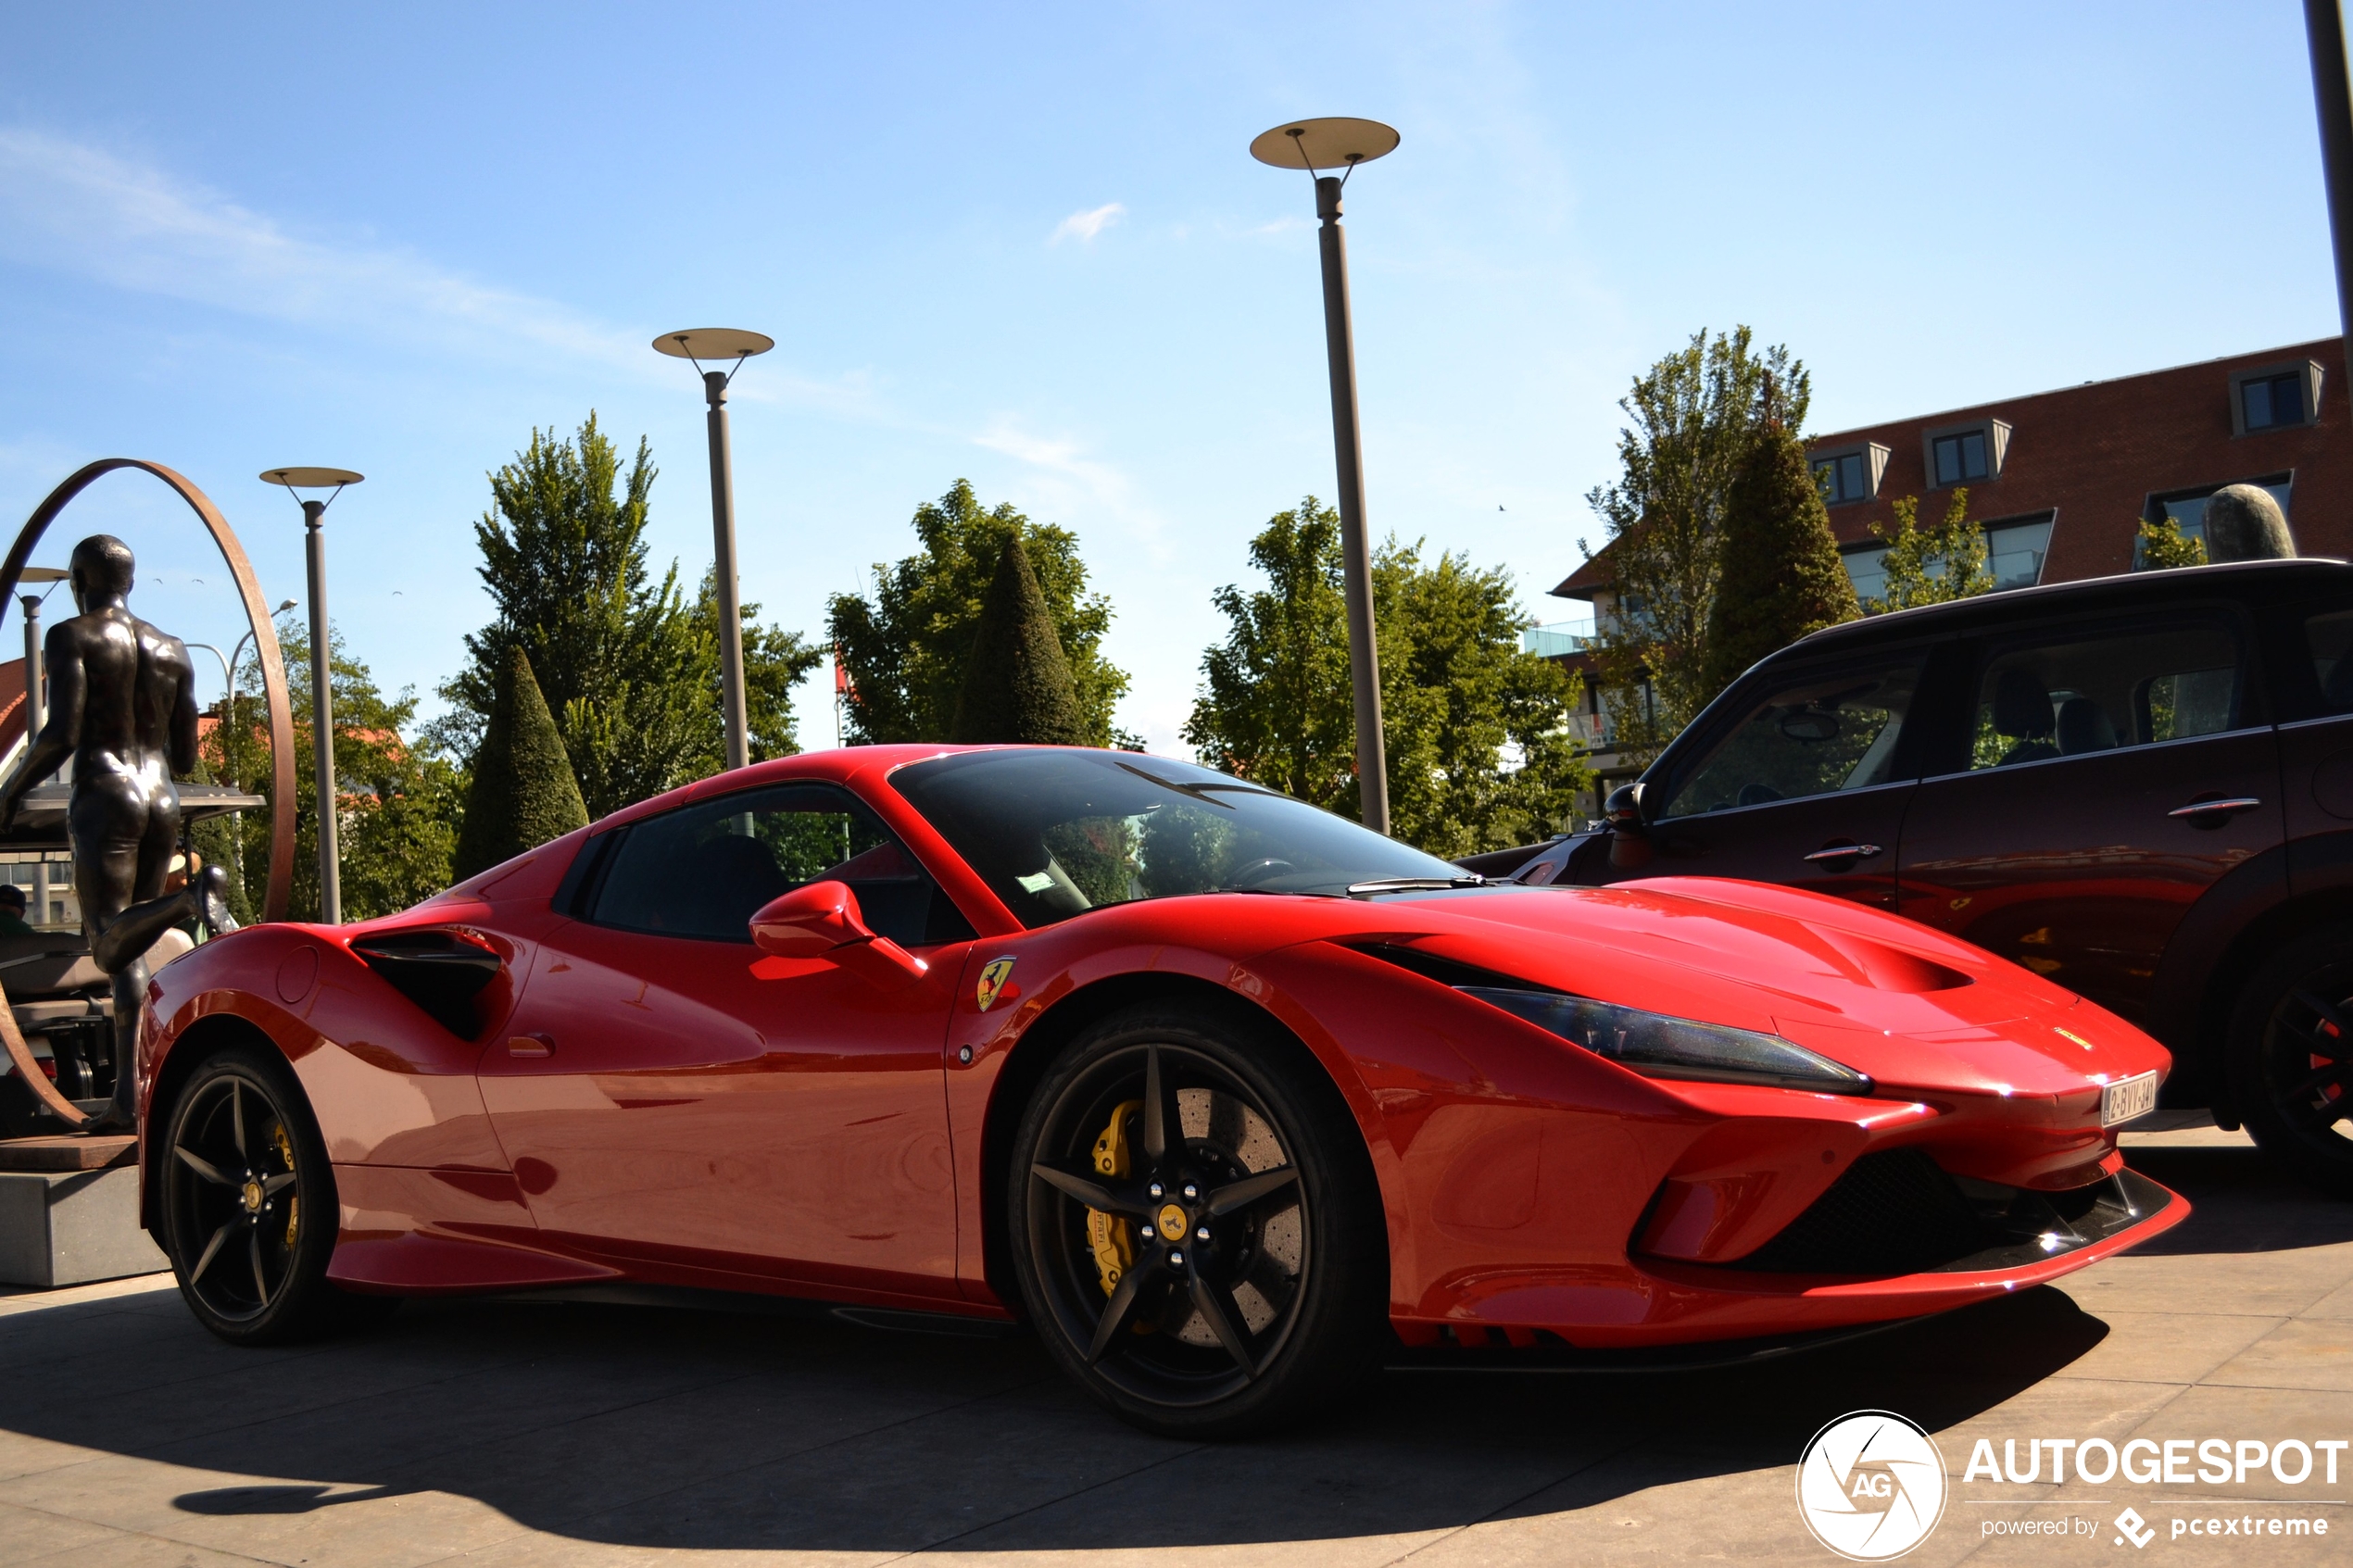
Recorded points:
323,734
1314,144
696,346
34,713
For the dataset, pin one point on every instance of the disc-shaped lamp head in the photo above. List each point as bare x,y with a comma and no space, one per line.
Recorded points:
309,479
713,342
41,574
1324,143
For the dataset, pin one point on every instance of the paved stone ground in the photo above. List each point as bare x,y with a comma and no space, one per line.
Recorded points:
513,1433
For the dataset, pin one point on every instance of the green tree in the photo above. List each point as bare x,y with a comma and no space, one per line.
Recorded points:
1780,576
395,825
1928,565
523,794
907,648
1275,705
1694,418
629,669
2164,546
1017,688
1478,748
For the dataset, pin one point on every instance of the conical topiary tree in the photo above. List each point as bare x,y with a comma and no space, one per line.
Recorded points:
524,793
1017,688
1780,573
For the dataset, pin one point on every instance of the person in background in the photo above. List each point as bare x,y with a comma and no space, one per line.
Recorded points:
12,920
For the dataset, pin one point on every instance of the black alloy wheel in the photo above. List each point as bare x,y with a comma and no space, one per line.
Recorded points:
248,1204
2291,1057
1198,1233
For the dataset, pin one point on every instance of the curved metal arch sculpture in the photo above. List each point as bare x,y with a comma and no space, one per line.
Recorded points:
280,887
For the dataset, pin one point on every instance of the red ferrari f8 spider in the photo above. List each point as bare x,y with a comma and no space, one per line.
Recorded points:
1222,1094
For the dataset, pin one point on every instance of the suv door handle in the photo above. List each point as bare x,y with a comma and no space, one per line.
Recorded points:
1846,852
2212,808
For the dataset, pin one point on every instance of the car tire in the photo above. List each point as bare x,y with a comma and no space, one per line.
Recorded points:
2291,1057
248,1208
1233,1298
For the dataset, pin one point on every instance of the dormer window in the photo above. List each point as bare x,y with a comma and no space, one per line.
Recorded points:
1966,454
1850,473
2274,397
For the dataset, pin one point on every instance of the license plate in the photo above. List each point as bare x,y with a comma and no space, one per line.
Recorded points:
2125,1100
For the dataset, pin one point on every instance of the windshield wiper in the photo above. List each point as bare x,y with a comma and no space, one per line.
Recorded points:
1413,884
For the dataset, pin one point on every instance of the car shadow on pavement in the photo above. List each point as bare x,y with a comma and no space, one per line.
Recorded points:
665,1428
2241,1201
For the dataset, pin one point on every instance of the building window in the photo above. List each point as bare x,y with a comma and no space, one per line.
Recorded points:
2014,548
2269,397
1850,473
1965,454
1842,478
2188,507
2273,402
1960,459
1865,567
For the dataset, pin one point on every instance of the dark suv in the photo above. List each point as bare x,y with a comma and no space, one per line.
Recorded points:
2139,786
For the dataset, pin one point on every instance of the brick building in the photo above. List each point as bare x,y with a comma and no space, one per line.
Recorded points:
2061,481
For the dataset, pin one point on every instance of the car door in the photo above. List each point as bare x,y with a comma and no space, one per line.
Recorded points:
670,1095
2111,773
1803,781
2316,742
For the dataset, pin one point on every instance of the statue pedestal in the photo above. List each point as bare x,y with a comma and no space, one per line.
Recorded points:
70,1211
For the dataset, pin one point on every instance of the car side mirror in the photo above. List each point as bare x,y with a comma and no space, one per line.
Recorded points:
1630,839
821,919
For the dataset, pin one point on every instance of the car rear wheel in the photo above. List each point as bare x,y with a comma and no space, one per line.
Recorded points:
2291,1057
1198,1235
248,1203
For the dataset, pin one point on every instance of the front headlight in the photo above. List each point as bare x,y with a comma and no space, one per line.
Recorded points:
1660,1047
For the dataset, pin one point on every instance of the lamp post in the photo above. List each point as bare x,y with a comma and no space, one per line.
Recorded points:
323,717
2332,99
35,709
1315,145
695,345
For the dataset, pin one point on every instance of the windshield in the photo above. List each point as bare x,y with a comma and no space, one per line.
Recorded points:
1057,833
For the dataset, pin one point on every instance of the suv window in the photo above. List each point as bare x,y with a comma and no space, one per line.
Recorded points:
2330,639
1815,735
2095,691
705,870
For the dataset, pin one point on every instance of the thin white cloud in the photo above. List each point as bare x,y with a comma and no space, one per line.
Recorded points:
69,206
1073,485
1084,226
72,207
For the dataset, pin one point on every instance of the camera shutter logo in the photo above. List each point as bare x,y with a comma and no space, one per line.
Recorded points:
1870,1485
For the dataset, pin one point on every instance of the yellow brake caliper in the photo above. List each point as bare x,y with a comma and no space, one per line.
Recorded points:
1113,1240
285,1152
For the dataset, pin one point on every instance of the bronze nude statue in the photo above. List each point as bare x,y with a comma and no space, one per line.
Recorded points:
123,706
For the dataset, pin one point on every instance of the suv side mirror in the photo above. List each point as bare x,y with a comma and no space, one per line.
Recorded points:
821,919
1629,840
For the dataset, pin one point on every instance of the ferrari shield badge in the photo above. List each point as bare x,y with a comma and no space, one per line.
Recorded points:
992,981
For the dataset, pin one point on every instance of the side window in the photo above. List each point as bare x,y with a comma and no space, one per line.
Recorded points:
2330,640
1816,735
704,871
2095,691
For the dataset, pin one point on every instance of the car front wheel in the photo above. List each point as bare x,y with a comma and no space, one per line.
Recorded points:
1197,1233
248,1203
2291,1057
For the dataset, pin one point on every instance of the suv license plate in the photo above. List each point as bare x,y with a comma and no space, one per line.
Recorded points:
2125,1100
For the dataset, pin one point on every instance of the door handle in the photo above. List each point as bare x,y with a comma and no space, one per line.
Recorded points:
1844,852
530,1044
2212,808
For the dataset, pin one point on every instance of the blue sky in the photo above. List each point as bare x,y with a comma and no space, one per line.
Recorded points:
1024,244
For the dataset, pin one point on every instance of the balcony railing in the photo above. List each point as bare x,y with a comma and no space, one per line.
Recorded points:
1557,640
